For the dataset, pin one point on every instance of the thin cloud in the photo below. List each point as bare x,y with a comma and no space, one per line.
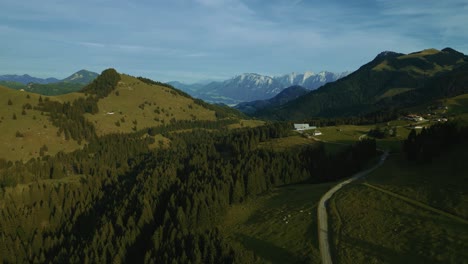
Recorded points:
91,44
223,37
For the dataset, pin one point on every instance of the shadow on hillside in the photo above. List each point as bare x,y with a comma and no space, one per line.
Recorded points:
377,253
267,250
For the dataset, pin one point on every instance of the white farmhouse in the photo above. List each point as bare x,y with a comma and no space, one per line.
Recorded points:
300,127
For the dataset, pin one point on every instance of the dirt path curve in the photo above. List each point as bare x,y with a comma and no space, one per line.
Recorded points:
324,244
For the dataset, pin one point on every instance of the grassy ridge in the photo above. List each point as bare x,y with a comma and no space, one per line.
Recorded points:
134,105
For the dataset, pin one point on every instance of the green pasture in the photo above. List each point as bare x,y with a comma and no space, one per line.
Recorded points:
404,213
279,226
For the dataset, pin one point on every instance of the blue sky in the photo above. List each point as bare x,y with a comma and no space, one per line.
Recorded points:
193,40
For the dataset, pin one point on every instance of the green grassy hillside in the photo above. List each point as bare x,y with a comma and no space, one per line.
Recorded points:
25,131
135,105
280,226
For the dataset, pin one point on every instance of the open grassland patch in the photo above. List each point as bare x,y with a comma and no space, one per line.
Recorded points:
338,137
279,226
376,228
25,130
347,134
418,203
135,105
247,123
440,184
408,213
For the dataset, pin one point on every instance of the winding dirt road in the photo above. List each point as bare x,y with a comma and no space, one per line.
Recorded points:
324,244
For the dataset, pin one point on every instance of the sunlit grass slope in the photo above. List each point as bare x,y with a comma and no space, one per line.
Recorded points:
135,105
23,137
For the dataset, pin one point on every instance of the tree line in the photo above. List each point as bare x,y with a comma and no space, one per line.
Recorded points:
430,142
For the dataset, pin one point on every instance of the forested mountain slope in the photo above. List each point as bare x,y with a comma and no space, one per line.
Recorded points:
390,80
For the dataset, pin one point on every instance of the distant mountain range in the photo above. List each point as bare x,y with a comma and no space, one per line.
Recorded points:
252,86
392,80
82,76
49,86
25,79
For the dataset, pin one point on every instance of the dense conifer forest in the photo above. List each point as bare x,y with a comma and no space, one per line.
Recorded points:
132,203
433,141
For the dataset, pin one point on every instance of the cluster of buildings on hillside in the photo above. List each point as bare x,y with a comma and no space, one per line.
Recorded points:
417,118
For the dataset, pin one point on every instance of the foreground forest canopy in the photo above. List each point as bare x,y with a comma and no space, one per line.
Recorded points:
117,200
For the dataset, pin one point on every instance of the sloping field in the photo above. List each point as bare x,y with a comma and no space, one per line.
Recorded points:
135,105
24,131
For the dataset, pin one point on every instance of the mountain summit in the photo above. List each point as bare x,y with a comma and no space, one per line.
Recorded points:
82,76
26,78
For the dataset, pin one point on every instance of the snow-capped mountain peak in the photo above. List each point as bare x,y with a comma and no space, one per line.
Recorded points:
253,86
